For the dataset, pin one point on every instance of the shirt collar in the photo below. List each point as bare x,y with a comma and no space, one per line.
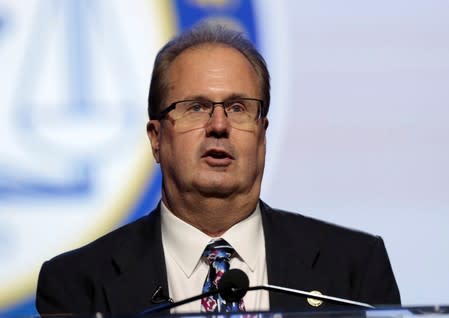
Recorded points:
185,243
245,235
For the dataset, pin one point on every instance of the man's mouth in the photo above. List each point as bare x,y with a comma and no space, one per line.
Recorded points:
218,156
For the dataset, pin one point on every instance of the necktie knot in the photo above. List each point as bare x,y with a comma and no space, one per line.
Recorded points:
218,250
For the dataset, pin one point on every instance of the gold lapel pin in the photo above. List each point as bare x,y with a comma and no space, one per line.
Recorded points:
313,301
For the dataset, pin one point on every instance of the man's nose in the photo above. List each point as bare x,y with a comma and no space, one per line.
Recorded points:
218,123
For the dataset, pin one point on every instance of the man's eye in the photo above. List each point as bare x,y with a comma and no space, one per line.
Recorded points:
236,107
196,107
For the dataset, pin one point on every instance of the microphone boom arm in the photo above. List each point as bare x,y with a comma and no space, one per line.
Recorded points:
267,287
296,292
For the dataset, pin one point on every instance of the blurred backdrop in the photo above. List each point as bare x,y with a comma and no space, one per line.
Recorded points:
358,135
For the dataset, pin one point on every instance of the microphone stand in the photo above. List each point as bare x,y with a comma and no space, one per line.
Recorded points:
273,288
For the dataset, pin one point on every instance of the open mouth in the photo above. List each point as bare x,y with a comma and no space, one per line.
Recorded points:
217,154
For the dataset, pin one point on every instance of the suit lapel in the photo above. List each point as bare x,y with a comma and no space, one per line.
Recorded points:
141,266
290,256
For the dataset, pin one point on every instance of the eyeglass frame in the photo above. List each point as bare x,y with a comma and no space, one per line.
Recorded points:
261,112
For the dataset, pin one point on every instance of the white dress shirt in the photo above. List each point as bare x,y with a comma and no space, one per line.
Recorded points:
187,270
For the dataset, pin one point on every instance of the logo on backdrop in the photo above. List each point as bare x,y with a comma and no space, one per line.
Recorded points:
75,160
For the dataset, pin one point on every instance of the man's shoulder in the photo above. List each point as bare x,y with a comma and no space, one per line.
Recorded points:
346,262
89,271
295,223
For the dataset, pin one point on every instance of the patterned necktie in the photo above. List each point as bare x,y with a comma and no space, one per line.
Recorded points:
218,253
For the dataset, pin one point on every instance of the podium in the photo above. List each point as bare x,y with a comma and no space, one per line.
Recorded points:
435,311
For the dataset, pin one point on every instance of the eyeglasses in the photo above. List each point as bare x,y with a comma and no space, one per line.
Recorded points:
242,113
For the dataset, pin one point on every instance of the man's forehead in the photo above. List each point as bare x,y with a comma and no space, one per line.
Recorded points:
208,46
204,50
204,64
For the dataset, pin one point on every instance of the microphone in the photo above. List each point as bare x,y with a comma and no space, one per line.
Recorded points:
159,297
235,283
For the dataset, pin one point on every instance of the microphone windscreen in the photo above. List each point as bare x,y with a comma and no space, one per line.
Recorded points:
231,281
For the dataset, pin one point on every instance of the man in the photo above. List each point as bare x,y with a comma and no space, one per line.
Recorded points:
208,104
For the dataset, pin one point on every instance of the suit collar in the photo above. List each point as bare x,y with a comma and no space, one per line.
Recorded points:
140,264
304,254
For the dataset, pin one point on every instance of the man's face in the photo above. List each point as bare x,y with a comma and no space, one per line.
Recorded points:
216,160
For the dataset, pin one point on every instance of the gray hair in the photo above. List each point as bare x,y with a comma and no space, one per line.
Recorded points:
200,35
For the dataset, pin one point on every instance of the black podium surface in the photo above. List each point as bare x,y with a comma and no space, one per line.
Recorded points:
435,311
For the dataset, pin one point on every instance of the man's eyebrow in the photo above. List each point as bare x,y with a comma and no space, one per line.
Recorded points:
237,96
231,96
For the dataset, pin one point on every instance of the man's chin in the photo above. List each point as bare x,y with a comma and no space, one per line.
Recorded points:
216,190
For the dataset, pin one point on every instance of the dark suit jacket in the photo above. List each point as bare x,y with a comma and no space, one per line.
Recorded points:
119,272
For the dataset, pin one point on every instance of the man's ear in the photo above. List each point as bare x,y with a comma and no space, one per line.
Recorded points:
153,129
265,126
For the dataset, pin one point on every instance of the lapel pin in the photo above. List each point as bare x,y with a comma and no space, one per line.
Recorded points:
313,301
